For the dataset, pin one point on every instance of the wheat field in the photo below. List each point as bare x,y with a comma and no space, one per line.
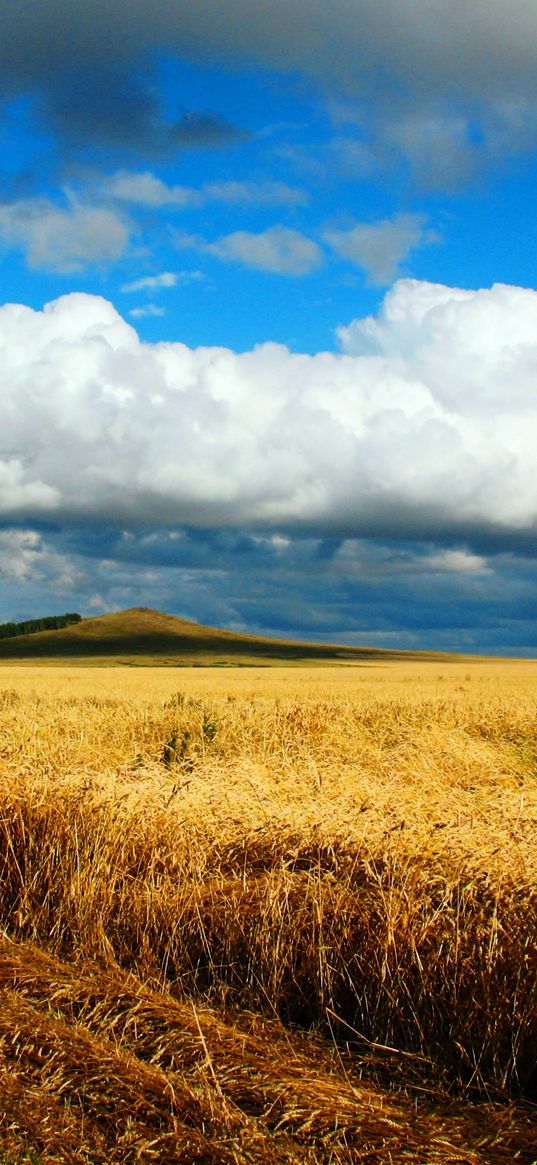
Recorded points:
269,915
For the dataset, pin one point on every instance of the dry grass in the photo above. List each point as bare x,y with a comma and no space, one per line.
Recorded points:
269,916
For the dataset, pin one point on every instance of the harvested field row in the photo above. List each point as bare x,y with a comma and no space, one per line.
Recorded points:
95,1066
426,955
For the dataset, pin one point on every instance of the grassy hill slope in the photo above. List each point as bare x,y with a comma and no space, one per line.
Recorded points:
141,635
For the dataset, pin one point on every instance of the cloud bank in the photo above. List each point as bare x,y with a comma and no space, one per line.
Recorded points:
423,427
409,58
487,47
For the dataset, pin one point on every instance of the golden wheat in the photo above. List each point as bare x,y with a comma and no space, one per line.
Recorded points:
257,915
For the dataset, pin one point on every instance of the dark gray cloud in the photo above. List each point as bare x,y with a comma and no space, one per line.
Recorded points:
91,62
115,108
487,48
379,593
200,130
89,69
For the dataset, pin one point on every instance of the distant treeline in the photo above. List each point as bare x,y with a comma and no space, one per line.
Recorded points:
47,623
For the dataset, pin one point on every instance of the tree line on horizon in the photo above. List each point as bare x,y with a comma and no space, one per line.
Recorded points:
46,623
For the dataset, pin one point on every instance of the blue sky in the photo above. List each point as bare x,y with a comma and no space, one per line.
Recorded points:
268,316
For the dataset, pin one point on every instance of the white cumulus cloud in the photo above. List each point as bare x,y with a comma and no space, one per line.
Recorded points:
423,427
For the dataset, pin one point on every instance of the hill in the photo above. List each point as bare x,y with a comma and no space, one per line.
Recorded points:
143,636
